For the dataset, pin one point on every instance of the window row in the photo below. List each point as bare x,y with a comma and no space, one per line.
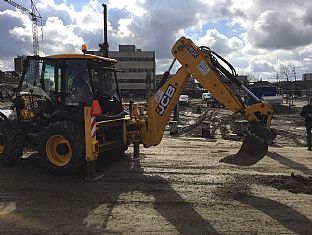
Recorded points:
138,70
132,80
134,58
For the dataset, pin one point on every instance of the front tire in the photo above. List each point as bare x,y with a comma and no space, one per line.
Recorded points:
62,147
11,144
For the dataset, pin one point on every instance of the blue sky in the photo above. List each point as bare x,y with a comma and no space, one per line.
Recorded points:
249,34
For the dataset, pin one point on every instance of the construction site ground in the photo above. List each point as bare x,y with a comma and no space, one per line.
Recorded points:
177,187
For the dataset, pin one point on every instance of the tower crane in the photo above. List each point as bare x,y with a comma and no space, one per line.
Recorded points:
35,15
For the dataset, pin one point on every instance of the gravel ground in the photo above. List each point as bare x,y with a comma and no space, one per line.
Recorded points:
177,187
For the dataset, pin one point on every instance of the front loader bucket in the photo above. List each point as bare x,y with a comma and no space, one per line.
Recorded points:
251,151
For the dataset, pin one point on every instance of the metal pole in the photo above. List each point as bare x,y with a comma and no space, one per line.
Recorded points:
105,42
176,113
295,80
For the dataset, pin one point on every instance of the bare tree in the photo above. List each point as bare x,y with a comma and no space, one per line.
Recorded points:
277,76
286,71
251,77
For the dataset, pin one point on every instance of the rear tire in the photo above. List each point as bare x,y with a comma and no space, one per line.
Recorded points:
12,144
62,147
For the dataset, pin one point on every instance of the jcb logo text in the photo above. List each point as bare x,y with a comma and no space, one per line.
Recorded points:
193,52
165,100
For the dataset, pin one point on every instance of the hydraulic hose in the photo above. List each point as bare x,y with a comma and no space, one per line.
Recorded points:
230,75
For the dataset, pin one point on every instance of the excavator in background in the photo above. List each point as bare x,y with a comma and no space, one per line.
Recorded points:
71,112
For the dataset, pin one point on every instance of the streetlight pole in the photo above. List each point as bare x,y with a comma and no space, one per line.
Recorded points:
294,70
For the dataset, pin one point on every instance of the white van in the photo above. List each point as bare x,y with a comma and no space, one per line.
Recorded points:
206,96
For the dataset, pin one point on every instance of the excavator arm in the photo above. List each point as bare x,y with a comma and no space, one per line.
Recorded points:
204,66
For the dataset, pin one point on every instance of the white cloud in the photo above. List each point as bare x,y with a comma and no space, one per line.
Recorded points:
60,38
123,28
219,42
260,30
135,7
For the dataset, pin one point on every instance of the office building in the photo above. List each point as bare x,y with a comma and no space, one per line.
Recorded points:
138,78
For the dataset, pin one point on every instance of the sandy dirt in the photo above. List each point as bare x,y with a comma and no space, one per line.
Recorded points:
177,187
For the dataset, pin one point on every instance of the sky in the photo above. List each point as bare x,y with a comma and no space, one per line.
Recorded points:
257,37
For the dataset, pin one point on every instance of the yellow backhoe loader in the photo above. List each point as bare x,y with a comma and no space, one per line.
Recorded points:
70,111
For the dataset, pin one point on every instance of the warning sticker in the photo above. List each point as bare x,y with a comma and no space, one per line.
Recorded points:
158,95
203,68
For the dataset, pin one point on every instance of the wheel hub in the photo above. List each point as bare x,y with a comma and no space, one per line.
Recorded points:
58,150
62,149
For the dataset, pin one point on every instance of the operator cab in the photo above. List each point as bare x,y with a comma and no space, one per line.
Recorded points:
70,80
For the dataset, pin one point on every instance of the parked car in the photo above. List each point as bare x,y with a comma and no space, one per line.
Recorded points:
206,96
183,99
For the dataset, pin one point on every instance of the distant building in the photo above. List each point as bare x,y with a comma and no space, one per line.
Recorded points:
18,63
33,67
260,84
307,77
139,66
9,77
243,79
1,76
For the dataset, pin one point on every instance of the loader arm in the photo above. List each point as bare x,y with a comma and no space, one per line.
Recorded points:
203,65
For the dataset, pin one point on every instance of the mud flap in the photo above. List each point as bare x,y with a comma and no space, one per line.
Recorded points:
251,151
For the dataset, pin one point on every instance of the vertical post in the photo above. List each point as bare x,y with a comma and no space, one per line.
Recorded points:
176,113
173,127
198,110
296,92
105,42
206,129
91,144
136,149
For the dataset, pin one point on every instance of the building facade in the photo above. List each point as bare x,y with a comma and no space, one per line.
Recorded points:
139,67
18,63
307,77
9,77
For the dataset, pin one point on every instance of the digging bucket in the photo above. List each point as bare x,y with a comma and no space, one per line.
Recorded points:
254,147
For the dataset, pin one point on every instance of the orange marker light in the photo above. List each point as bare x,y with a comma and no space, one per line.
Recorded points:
84,48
